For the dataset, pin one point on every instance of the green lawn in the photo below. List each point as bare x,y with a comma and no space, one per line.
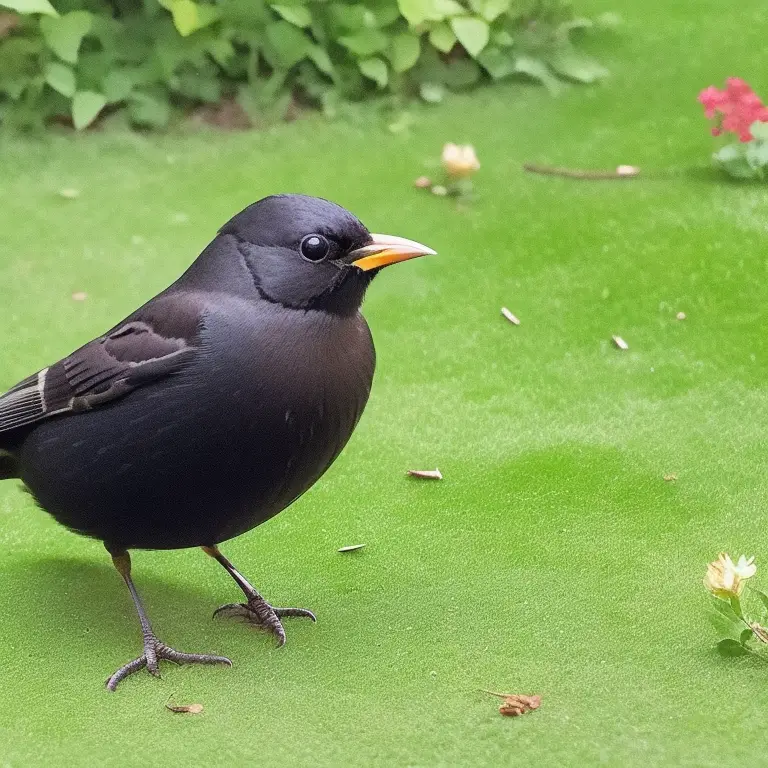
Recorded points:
553,558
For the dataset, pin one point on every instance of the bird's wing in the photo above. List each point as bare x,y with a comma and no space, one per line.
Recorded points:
150,345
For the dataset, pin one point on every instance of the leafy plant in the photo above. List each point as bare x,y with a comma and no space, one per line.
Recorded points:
740,633
76,59
738,110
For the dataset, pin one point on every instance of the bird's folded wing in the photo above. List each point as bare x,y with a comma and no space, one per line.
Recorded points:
143,349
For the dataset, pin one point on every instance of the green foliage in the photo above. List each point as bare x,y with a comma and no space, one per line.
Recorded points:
73,58
746,160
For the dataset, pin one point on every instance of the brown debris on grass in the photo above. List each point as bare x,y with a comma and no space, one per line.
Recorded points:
516,704
621,172
187,709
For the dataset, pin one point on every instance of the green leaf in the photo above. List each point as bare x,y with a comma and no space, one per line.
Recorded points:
185,16
321,59
496,62
366,42
571,63
473,34
148,111
61,78
724,626
443,9
221,50
86,106
117,85
763,597
442,37
757,155
386,14
733,160
730,648
759,130
375,69
405,52
538,70
289,42
298,15
433,93
490,10
502,38
417,11
725,608
26,7
63,34
745,636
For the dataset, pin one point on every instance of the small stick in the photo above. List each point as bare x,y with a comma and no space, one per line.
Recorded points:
512,319
621,172
619,342
426,474
351,548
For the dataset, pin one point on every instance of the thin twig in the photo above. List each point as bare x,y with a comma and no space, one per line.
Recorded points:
622,172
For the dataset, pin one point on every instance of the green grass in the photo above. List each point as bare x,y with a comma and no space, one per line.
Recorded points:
553,558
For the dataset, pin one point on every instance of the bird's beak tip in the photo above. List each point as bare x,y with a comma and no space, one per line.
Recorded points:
384,250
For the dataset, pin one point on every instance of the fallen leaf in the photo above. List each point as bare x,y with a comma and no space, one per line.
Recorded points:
516,704
619,342
189,709
79,296
512,319
351,548
671,477
426,474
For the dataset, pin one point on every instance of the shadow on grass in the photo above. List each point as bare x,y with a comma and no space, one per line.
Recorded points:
63,606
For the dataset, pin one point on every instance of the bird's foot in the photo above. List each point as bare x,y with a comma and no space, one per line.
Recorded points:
154,651
259,612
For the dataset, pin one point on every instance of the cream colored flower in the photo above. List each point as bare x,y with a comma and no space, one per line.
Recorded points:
460,161
725,578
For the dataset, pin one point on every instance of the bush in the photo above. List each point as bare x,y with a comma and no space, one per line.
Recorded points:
81,58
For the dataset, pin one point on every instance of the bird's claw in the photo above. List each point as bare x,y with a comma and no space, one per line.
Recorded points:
260,613
154,651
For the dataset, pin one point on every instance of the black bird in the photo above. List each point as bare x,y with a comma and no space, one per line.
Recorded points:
215,405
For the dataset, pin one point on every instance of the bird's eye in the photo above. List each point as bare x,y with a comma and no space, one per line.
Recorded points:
314,247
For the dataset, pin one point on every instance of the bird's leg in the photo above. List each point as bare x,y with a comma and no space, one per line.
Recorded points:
256,610
154,650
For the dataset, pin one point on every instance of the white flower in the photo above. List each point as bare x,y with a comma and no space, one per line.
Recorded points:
460,161
725,578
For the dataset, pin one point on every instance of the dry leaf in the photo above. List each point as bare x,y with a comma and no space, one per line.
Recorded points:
619,342
351,548
189,709
79,296
423,182
680,315
512,319
426,474
516,704
671,477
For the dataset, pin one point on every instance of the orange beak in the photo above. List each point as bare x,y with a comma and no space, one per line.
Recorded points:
386,250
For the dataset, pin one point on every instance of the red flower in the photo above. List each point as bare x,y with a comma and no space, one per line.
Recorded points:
734,109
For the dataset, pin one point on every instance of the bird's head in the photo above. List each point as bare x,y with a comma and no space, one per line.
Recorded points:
308,253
